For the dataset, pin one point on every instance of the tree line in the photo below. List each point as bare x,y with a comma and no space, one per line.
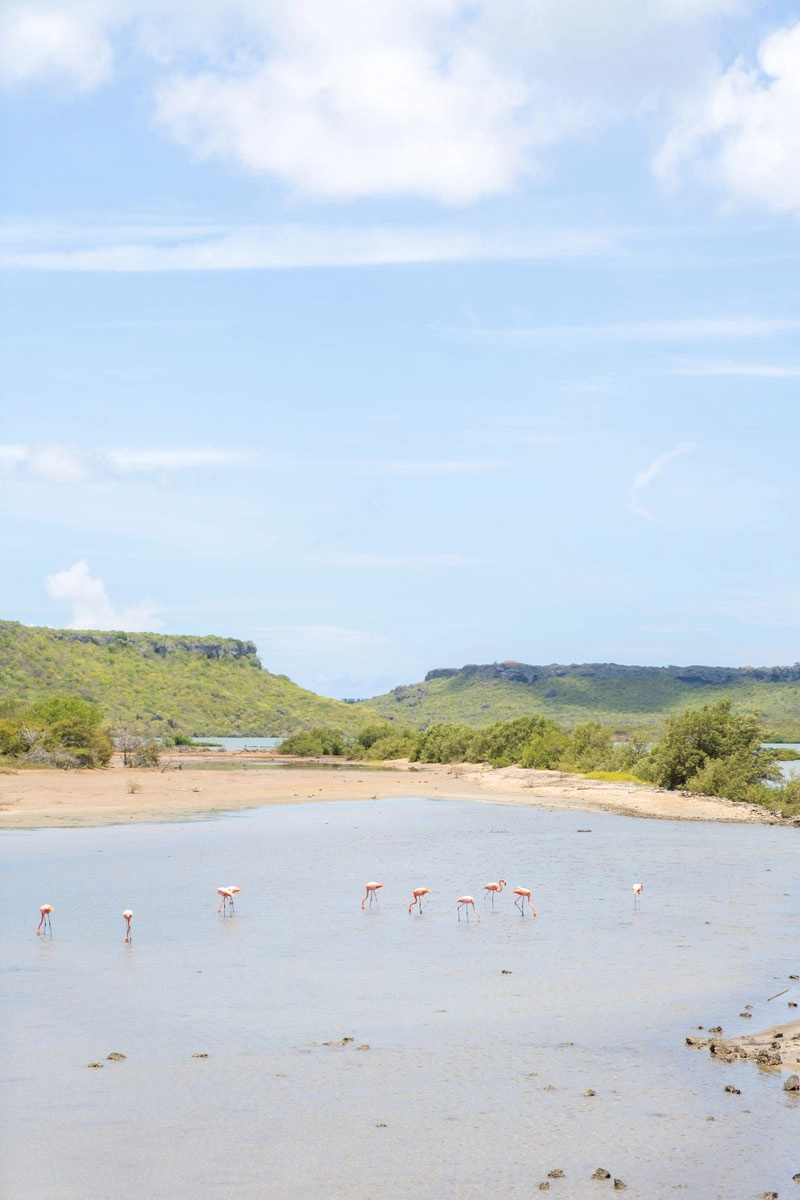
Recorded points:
711,751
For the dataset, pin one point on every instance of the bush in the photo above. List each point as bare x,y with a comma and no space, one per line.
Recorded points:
314,743
394,745
713,751
146,755
443,744
545,750
505,742
85,740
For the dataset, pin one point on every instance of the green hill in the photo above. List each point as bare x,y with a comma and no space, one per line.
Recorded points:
157,685
625,697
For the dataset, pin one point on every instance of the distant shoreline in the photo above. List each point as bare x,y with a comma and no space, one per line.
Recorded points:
40,799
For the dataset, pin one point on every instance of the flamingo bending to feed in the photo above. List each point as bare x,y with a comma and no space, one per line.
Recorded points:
44,920
465,902
418,894
128,914
227,894
491,888
522,895
372,893
638,888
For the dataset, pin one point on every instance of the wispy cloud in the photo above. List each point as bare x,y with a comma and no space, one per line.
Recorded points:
278,247
62,464
646,477
754,370
91,606
688,329
399,561
420,466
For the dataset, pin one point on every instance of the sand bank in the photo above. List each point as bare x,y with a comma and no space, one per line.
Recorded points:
778,1046
33,799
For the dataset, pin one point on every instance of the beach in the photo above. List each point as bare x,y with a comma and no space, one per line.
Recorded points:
203,784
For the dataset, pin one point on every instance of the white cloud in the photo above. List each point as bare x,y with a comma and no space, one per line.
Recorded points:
55,464
65,43
743,132
91,607
12,455
129,462
689,329
399,561
644,478
752,370
279,247
452,100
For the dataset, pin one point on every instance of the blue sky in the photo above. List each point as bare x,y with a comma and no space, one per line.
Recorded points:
407,334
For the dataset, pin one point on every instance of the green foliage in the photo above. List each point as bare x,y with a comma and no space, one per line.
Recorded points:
146,755
545,750
314,743
155,685
636,703
443,744
712,750
84,740
61,731
11,742
504,742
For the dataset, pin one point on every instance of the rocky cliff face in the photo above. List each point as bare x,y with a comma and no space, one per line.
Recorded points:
525,673
151,643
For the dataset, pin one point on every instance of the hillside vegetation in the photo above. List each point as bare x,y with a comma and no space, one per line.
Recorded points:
629,699
158,685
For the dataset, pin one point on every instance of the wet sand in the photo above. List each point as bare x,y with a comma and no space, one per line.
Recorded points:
778,1046
35,799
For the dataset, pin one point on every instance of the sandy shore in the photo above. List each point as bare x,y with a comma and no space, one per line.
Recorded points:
778,1046
38,799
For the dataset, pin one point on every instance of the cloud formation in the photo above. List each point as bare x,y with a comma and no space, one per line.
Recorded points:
451,100
646,477
60,464
743,132
91,607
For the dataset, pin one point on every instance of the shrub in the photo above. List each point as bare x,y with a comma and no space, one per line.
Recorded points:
714,751
146,755
313,743
443,744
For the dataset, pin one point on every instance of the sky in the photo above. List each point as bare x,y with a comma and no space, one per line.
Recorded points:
404,334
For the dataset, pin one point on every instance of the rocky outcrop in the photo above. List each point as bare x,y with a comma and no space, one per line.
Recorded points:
150,643
516,672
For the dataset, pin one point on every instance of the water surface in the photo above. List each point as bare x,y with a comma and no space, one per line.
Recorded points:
453,1097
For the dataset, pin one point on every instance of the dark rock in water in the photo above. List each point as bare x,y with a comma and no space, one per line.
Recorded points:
590,1092
200,1055
734,1091
115,1057
792,1084
544,1187
792,1004
768,1058
601,1173
711,1118
364,1047
698,1042
504,972
548,1087
556,1173
796,1178
767,1195
380,1125
95,1066
619,1186
715,1029
746,1015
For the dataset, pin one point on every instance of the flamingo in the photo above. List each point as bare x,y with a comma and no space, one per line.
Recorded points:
227,895
464,902
491,888
522,895
638,888
418,894
372,892
45,910
128,915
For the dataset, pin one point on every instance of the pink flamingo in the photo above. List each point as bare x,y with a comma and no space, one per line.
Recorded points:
372,892
227,895
638,888
522,895
418,894
491,888
45,910
128,914
465,902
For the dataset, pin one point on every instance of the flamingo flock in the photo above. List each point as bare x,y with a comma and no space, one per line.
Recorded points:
226,907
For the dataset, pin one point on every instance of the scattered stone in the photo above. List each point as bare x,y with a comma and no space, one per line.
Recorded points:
548,1088
590,1092
619,1186
734,1091
697,1042
380,1125
792,1004
505,972
715,1029
794,976
748,1006
115,1057
747,1015
779,1035
200,1054
544,1187
343,1042
767,1058
556,1173
711,1118
792,1084
767,1195
796,1178
95,1066
601,1173
364,1047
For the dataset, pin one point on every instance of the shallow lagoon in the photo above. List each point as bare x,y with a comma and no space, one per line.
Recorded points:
450,1099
